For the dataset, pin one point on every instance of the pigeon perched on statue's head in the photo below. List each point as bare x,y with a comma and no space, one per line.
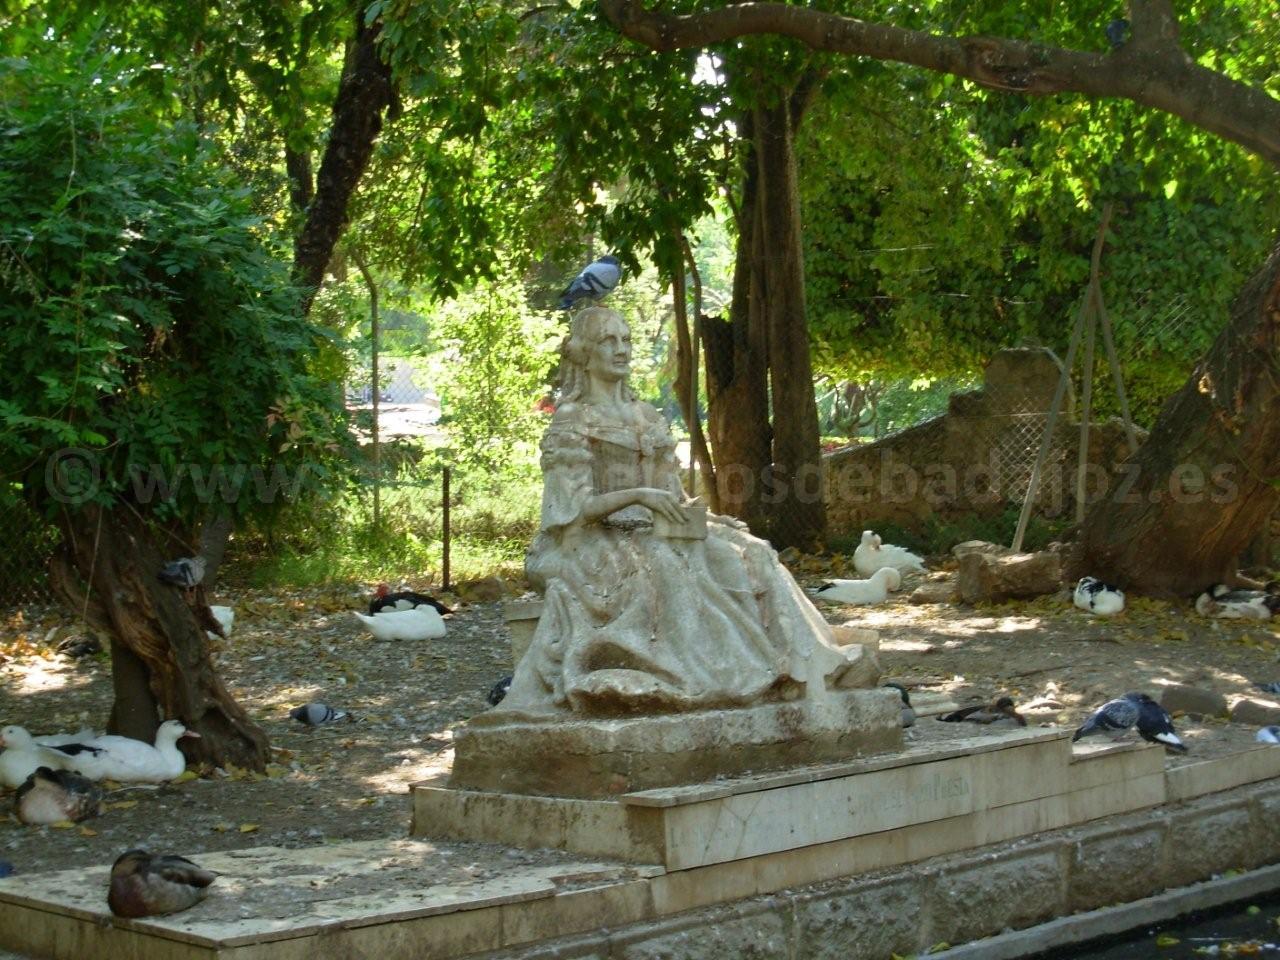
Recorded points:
593,283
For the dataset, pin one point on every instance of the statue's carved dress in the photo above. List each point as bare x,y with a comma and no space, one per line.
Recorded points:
640,621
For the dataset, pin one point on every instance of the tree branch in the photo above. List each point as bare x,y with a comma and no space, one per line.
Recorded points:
1152,70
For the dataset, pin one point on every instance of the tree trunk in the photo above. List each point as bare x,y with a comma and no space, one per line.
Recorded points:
364,92
1190,501
737,375
107,573
794,495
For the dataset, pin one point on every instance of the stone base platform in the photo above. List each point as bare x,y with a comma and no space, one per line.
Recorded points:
509,752
733,818
865,897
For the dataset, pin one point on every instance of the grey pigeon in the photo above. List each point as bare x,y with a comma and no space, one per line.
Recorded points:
314,714
594,282
185,572
1268,735
499,691
1133,709
908,711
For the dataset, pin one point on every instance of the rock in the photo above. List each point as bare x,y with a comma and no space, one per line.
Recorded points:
1256,713
1193,701
983,576
979,546
789,555
485,589
943,591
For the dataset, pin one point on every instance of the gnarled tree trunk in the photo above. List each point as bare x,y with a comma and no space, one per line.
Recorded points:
107,573
1188,504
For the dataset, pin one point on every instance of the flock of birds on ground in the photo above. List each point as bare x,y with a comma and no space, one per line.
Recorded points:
59,778
884,565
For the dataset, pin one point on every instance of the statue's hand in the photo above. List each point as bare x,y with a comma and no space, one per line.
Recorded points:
661,502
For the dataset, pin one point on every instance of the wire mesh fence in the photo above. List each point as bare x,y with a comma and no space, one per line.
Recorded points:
27,543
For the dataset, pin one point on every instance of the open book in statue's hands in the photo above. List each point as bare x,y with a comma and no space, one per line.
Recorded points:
694,526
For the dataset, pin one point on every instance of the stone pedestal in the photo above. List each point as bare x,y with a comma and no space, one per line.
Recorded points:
600,757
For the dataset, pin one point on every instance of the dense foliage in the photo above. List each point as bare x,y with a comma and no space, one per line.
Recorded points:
145,322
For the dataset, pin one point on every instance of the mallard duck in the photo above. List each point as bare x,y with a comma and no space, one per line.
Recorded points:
144,885
872,554
1133,710
1002,709
52,796
419,623
1094,596
23,756
873,590
128,760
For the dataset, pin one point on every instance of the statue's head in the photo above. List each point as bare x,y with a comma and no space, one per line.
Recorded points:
599,344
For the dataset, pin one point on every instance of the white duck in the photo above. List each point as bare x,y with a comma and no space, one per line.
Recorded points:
1223,602
1094,596
128,760
58,739
873,553
225,616
420,623
874,590
23,756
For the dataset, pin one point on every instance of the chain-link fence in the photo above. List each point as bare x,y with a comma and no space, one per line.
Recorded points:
27,542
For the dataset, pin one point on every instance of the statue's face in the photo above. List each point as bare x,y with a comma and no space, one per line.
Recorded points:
610,357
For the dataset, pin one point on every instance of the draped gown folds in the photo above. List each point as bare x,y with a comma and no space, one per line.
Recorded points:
636,621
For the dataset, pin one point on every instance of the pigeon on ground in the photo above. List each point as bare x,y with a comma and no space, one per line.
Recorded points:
908,711
1133,709
314,714
186,572
499,691
1002,709
144,885
593,283
1268,735
1094,596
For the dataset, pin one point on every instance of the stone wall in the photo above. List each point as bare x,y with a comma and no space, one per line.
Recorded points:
975,458
959,897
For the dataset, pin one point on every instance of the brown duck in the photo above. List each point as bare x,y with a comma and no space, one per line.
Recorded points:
144,885
1002,709
52,796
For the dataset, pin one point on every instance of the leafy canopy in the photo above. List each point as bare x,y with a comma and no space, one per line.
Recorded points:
144,318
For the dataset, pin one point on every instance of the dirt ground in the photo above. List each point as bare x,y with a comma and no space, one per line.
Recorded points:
347,781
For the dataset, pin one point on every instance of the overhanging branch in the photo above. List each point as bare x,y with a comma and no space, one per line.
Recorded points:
1152,71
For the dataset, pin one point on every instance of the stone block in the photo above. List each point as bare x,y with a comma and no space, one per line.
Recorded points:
1256,713
1202,842
861,922
1189,780
522,618
1120,797
764,934
1194,701
979,899
961,550
1266,826
567,756
1114,867
983,577
1094,764
848,633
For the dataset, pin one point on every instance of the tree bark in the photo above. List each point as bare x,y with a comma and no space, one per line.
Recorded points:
364,93
687,378
107,573
1206,482
737,371
794,495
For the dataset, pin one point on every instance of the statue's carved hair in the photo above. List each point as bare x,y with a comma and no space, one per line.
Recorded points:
575,350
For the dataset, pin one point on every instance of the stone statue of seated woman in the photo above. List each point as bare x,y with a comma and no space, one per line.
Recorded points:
651,605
